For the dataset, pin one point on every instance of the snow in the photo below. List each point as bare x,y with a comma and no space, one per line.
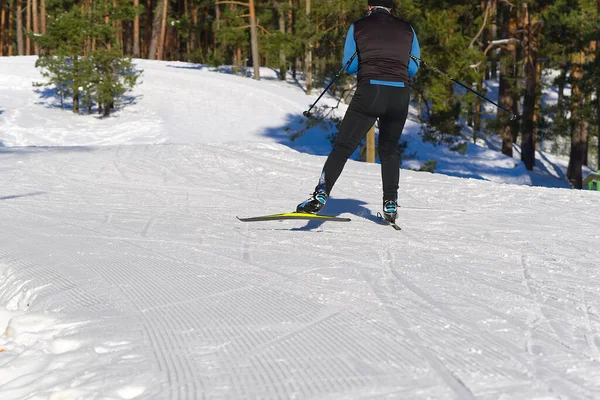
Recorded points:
125,275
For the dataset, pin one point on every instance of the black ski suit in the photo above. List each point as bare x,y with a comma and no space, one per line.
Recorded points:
384,67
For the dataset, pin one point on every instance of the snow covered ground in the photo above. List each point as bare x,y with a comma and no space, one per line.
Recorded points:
125,275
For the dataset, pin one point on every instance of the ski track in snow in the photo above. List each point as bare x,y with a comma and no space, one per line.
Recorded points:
466,302
125,275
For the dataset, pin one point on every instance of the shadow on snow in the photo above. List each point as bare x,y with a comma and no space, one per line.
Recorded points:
18,196
337,207
41,149
475,165
480,163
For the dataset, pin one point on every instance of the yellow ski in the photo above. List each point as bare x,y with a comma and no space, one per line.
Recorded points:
294,215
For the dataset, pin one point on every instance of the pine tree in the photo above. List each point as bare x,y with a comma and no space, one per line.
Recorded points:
444,31
81,59
570,28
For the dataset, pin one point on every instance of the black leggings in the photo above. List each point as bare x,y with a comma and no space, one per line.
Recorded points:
390,105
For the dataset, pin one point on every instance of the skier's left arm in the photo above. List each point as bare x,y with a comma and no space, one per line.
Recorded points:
415,50
349,50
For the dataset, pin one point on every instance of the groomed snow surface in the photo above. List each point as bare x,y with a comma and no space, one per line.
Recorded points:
124,273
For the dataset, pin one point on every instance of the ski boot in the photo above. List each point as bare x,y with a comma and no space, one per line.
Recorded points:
315,203
390,210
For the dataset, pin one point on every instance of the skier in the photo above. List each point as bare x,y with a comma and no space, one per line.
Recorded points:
384,68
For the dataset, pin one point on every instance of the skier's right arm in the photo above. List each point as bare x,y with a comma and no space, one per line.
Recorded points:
349,50
415,50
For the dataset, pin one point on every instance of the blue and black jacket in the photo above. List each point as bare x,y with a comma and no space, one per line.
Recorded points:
384,43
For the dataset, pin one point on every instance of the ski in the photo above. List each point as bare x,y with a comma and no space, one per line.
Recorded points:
386,222
394,225
294,215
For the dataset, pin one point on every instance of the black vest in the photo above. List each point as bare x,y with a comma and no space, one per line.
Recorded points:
384,43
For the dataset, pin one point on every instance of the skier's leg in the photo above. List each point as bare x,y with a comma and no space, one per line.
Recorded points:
390,129
364,108
360,117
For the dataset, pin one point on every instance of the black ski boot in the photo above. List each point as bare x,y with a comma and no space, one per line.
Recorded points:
315,203
390,210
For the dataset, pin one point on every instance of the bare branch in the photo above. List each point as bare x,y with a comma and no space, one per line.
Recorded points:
494,44
499,42
511,5
266,32
485,17
233,2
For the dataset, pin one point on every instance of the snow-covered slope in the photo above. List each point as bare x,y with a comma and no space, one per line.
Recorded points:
124,273
187,104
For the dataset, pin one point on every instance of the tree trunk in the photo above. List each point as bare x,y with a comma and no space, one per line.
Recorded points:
515,77
493,36
163,31
239,59
537,112
574,171
87,11
598,126
218,25
530,45
75,87
43,17
308,58
152,50
10,29
118,28
106,20
147,27
28,27
254,40
560,103
20,41
3,32
470,113
186,14
290,30
291,17
477,116
36,23
282,57
585,135
506,100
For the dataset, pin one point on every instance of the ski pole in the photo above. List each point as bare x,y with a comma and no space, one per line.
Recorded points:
417,59
307,113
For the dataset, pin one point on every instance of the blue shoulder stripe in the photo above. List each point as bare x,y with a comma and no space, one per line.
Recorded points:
415,50
349,50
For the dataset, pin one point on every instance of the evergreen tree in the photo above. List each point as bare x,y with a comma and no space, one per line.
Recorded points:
80,57
571,26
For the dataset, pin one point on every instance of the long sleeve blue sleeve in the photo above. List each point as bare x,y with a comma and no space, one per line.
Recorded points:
349,50
415,50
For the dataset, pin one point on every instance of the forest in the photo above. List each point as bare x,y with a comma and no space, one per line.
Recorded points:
527,47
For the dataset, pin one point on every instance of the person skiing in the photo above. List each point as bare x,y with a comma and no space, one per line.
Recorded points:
384,44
